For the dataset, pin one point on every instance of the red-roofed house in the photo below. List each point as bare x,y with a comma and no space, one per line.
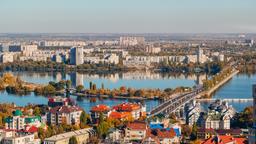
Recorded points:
135,131
64,114
120,115
224,139
97,110
137,110
161,136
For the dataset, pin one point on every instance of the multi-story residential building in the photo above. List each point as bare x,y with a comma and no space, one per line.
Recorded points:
111,58
114,136
252,134
161,136
58,58
60,101
82,136
16,122
4,47
137,110
131,41
216,120
122,116
97,110
151,49
224,139
13,137
64,114
192,112
76,56
20,122
92,59
6,57
135,131
61,43
25,48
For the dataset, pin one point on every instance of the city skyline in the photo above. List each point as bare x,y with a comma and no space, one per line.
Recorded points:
198,16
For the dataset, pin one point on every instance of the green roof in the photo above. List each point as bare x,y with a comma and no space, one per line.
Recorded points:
32,119
8,120
17,113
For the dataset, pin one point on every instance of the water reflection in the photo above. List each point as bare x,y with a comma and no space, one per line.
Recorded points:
137,79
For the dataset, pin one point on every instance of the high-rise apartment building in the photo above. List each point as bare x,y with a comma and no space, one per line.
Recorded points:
76,55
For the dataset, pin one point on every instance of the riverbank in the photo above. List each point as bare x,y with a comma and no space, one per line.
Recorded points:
208,93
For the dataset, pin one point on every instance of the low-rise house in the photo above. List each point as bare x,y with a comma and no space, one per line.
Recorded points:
223,139
82,136
64,114
137,110
159,136
135,131
97,110
114,136
203,133
123,116
14,137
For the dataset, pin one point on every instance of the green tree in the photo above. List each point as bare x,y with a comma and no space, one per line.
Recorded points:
84,119
37,111
73,140
49,89
193,135
79,88
102,129
68,84
90,85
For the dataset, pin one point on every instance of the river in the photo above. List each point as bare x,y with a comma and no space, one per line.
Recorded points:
238,87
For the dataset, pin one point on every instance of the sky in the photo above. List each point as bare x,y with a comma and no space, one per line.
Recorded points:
127,16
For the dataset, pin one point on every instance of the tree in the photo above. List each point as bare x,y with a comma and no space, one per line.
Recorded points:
37,111
68,84
73,140
94,87
49,89
79,88
193,135
102,129
90,85
84,119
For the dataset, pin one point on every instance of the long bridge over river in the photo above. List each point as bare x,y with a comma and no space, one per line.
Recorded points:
175,102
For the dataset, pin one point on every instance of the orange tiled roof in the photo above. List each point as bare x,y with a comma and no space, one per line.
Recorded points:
100,108
161,133
137,126
223,139
127,107
119,115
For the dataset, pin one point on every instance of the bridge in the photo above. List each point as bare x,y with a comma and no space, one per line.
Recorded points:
176,102
241,100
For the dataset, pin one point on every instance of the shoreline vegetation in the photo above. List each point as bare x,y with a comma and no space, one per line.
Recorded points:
14,85
164,67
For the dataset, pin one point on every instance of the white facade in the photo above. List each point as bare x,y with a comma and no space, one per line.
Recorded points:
12,137
62,43
7,57
131,41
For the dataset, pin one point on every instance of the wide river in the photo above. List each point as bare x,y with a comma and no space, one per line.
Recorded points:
238,87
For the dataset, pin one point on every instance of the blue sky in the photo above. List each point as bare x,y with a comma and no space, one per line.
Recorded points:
132,16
